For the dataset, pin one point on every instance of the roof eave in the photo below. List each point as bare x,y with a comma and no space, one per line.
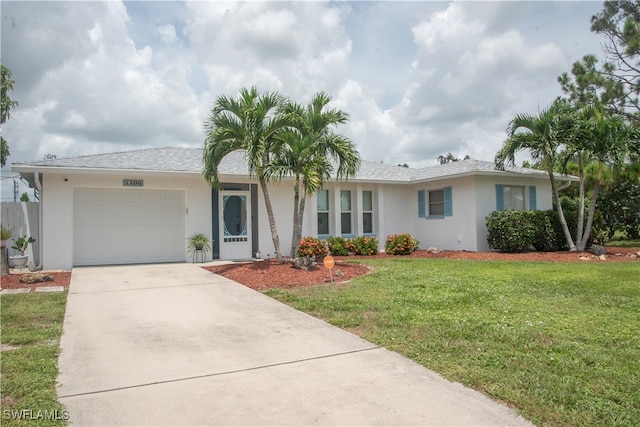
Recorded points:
512,174
26,168
542,175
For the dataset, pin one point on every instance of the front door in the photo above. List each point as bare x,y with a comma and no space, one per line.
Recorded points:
235,225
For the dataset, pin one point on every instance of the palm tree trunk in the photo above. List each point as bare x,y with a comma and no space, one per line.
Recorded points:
303,202
580,228
297,226
296,201
582,244
563,221
272,220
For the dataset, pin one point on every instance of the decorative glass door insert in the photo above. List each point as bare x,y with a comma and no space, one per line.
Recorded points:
234,208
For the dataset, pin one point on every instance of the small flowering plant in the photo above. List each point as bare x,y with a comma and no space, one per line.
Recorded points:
363,245
337,246
401,244
312,247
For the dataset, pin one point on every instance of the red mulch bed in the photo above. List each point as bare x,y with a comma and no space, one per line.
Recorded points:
60,278
264,275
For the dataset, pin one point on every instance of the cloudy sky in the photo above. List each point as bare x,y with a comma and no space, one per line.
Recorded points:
418,79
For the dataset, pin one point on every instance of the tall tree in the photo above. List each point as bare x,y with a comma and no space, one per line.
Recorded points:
617,83
312,152
6,104
248,123
542,136
589,85
609,141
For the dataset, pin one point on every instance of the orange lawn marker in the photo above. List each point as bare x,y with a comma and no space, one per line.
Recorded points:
329,263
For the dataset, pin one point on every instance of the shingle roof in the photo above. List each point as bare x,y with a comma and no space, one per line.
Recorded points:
189,160
469,166
157,159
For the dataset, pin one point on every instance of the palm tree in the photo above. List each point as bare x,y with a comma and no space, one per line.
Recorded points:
249,123
609,141
542,135
311,151
446,159
6,104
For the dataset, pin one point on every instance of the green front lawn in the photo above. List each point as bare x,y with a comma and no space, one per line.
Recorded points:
559,341
31,329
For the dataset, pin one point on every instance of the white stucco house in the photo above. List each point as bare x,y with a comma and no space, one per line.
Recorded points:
141,206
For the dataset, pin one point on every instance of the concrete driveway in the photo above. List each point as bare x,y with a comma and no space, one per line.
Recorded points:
173,344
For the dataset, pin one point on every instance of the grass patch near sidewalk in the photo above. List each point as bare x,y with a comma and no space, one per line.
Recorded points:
31,330
558,341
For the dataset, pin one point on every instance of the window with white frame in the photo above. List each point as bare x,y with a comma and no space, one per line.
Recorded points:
323,212
436,202
513,197
345,211
516,197
367,212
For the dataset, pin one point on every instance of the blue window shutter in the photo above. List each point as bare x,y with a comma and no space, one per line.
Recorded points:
499,197
448,201
421,204
532,198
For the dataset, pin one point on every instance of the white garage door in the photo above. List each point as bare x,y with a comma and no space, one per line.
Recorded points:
128,226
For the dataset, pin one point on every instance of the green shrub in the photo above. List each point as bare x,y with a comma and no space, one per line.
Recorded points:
363,245
520,231
570,208
313,247
401,244
620,207
337,246
559,242
545,238
511,231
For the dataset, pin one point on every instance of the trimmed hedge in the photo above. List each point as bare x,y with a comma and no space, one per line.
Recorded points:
512,231
521,231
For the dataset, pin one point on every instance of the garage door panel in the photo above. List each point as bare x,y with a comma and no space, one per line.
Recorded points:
128,226
155,216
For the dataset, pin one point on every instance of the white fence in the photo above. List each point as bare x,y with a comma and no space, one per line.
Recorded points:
22,219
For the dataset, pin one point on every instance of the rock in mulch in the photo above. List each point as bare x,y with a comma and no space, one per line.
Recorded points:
598,250
35,278
302,263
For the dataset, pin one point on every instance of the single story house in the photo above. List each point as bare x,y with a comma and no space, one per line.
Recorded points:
141,206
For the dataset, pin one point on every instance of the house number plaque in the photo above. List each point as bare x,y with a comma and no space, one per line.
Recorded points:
132,183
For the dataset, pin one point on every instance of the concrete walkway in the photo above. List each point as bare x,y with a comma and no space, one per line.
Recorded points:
173,344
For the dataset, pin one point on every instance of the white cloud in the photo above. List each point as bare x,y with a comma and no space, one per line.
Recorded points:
447,27
418,79
168,34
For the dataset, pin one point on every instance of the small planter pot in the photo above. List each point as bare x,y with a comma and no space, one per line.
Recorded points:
19,261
